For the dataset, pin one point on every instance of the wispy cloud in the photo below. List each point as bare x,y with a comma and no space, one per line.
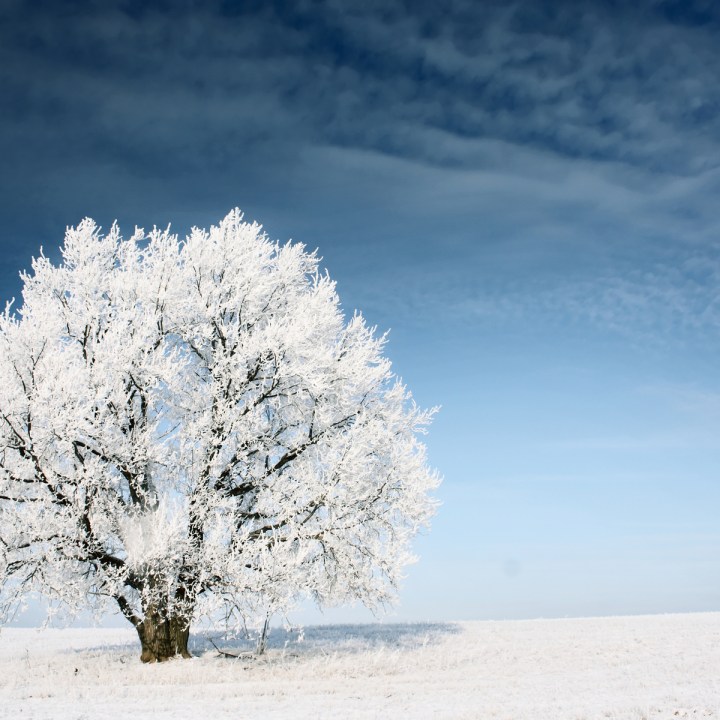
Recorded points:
582,80
554,157
540,239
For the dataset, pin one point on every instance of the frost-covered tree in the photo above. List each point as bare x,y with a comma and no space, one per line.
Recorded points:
192,426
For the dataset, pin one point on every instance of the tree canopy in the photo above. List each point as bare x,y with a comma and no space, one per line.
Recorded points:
189,427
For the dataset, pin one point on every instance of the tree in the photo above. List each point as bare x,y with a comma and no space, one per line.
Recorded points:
189,427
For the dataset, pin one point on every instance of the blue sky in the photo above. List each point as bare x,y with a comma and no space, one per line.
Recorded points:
524,193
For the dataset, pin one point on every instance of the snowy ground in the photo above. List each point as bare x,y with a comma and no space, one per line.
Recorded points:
665,666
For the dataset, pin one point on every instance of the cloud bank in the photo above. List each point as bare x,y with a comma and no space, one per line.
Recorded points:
569,148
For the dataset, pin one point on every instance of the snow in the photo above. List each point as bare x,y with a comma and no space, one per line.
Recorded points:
621,668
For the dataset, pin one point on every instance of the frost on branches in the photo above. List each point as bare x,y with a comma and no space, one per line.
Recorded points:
192,427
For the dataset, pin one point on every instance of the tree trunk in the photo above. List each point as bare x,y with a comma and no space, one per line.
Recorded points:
163,638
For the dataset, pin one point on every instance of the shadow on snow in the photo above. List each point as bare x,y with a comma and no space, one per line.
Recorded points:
346,639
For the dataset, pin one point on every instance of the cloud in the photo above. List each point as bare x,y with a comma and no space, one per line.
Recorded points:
574,78
537,158
537,240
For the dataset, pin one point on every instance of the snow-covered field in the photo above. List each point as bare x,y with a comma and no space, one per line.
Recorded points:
665,666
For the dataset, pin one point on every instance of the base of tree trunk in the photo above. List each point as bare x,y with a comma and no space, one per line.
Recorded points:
163,639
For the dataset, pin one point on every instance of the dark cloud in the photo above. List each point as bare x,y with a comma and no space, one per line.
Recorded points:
572,116
144,80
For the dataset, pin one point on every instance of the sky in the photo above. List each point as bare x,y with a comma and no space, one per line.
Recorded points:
524,194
